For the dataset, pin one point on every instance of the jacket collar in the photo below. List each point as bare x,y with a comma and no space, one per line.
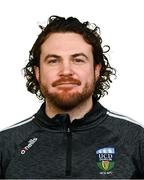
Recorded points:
62,121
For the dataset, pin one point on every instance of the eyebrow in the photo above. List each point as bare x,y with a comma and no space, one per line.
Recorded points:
73,55
51,56
79,54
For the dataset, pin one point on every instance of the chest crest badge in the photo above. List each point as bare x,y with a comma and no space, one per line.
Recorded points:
105,159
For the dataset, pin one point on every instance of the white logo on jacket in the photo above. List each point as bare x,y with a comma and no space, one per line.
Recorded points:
30,144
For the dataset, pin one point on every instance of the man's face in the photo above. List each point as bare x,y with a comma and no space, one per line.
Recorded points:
66,75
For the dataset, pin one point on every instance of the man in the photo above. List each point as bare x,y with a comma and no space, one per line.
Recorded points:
72,135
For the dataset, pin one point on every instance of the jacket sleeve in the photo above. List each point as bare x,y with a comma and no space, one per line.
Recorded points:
1,147
140,155
5,144
1,167
2,156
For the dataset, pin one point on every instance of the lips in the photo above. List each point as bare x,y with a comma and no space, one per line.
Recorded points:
66,84
69,81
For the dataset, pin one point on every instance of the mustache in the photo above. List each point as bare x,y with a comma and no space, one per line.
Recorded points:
64,80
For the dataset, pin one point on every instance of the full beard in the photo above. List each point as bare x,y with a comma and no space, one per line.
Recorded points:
65,99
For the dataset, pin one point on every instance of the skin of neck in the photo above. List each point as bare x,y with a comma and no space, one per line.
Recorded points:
76,113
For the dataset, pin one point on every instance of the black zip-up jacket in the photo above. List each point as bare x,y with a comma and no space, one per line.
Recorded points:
100,145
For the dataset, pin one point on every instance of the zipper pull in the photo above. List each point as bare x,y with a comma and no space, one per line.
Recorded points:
68,130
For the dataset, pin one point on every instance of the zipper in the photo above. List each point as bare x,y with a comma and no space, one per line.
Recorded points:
69,152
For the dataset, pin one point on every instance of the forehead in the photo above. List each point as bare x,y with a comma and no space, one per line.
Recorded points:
65,42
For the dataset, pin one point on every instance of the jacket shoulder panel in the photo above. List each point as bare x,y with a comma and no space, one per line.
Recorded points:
123,117
18,124
16,133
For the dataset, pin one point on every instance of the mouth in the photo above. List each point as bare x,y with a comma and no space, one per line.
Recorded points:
66,83
63,83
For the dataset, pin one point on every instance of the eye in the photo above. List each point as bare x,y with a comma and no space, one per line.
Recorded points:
53,61
79,61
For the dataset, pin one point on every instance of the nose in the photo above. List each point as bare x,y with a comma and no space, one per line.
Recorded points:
66,69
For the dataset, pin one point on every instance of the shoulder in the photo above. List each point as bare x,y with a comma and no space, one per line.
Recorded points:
12,137
17,126
18,132
125,125
123,119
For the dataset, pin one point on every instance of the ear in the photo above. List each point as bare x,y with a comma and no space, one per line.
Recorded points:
97,71
37,72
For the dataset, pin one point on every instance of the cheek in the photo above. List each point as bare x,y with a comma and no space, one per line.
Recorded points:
46,77
87,75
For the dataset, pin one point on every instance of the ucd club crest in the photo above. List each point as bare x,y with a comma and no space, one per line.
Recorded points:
105,158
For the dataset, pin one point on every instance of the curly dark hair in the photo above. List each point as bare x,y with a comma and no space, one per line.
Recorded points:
90,33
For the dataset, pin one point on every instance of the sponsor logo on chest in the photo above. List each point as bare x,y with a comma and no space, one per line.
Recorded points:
31,142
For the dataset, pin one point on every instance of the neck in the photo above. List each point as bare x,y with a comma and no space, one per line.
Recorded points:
76,113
